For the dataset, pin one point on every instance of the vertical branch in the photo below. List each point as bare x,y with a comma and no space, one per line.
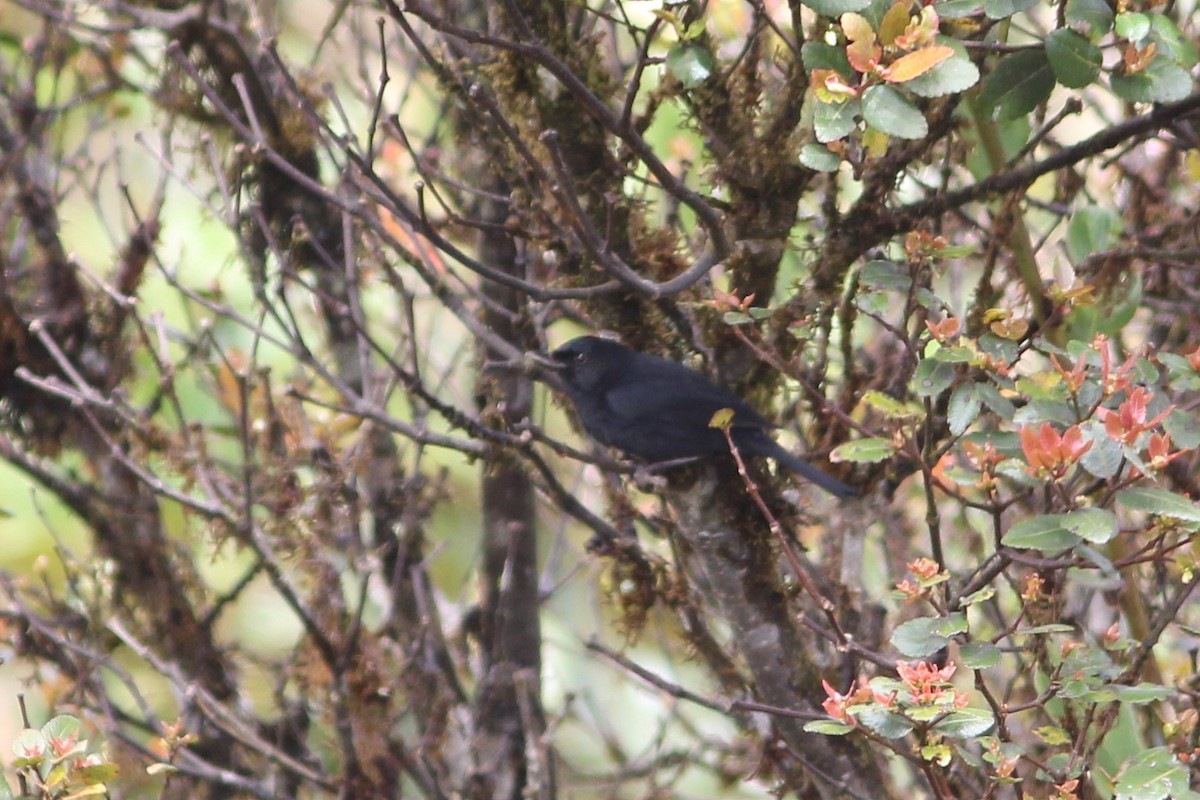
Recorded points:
509,715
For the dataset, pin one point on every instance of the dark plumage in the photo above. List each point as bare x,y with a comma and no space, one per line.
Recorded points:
659,410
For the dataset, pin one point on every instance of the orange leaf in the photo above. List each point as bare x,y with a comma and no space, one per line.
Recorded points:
894,22
863,55
916,63
857,28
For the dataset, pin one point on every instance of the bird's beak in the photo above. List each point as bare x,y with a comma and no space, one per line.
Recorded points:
546,362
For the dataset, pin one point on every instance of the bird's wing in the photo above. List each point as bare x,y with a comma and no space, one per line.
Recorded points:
682,399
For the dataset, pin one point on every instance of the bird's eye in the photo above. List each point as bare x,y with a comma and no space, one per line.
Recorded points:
581,358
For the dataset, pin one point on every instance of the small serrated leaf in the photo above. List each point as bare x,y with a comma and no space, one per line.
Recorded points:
885,275
1152,500
835,8
819,55
1163,81
884,723
924,636
888,111
1091,229
1095,525
918,62
1053,735
833,121
894,22
949,77
1096,15
1043,532
958,9
1183,428
1132,26
1173,42
998,403
965,723
1105,457
1018,84
863,451
828,727
691,64
1002,9
820,158
979,655
1075,59
932,377
963,408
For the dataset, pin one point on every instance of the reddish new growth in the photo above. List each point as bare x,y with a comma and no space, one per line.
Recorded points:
927,683
1049,453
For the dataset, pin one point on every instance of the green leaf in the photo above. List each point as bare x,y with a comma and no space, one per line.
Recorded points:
691,64
998,403
1159,502
829,727
1183,428
835,8
1092,229
923,713
1182,376
1052,627
1001,9
1105,457
820,158
932,377
1035,412
875,303
1095,15
888,111
1095,525
1163,81
819,55
925,636
963,408
949,77
979,655
1172,42
94,774
954,354
833,121
863,451
875,11
1053,735
1019,83
1076,61
986,593
1045,532
1142,693
1153,774
890,406
884,723
885,275
966,723
957,9
63,727
1133,26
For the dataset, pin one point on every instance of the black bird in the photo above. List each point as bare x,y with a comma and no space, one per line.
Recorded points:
659,410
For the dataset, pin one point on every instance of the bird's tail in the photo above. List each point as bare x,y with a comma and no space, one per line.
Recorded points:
810,473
